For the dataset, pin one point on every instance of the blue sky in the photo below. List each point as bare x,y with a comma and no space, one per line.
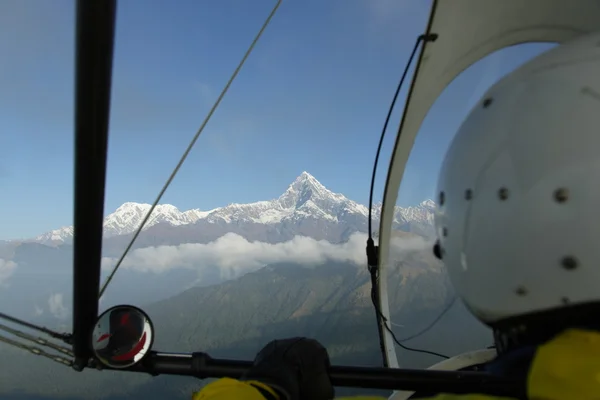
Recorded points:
313,96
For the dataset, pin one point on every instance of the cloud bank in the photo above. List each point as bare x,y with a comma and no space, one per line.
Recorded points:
232,254
6,270
57,306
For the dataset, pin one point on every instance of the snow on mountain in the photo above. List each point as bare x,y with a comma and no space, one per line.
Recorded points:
129,216
421,213
56,236
305,198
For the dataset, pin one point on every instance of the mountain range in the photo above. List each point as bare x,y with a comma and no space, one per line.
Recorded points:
306,208
36,274
228,280
231,297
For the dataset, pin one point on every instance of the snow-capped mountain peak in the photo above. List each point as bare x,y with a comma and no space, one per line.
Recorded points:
304,199
128,217
427,204
306,188
56,236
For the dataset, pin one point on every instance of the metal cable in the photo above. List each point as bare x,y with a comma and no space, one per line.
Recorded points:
37,351
189,148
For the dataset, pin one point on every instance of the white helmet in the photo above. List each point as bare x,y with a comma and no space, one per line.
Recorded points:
518,220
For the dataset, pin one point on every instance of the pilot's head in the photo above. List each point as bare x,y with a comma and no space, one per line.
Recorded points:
518,218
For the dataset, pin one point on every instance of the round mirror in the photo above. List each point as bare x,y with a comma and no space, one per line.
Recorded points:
123,335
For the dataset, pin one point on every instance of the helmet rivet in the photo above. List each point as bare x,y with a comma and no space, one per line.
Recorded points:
561,195
487,102
521,291
468,194
569,263
442,198
503,193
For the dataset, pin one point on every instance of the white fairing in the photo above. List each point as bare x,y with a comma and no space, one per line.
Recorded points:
468,31
456,363
527,240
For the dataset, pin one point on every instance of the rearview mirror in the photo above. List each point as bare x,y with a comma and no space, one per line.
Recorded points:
122,336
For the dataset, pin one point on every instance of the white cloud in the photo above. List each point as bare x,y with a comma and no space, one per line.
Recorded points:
57,306
7,268
233,255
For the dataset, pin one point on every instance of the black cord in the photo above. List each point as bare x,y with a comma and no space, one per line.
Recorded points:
381,317
431,37
372,250
432,324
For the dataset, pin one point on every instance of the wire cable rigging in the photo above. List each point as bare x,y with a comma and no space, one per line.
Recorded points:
189,148
431,324
372,250
38,340
67,337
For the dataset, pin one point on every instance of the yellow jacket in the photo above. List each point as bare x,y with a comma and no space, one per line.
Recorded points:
565,368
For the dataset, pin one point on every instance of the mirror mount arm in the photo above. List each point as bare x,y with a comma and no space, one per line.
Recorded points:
202,366
199,365
79,364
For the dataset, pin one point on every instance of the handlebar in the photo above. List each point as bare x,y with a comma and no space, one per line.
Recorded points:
201,365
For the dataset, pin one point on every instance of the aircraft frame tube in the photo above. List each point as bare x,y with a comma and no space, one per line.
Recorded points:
202,366
95,29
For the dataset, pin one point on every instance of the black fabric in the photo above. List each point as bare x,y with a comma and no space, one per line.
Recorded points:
536,328
297,368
